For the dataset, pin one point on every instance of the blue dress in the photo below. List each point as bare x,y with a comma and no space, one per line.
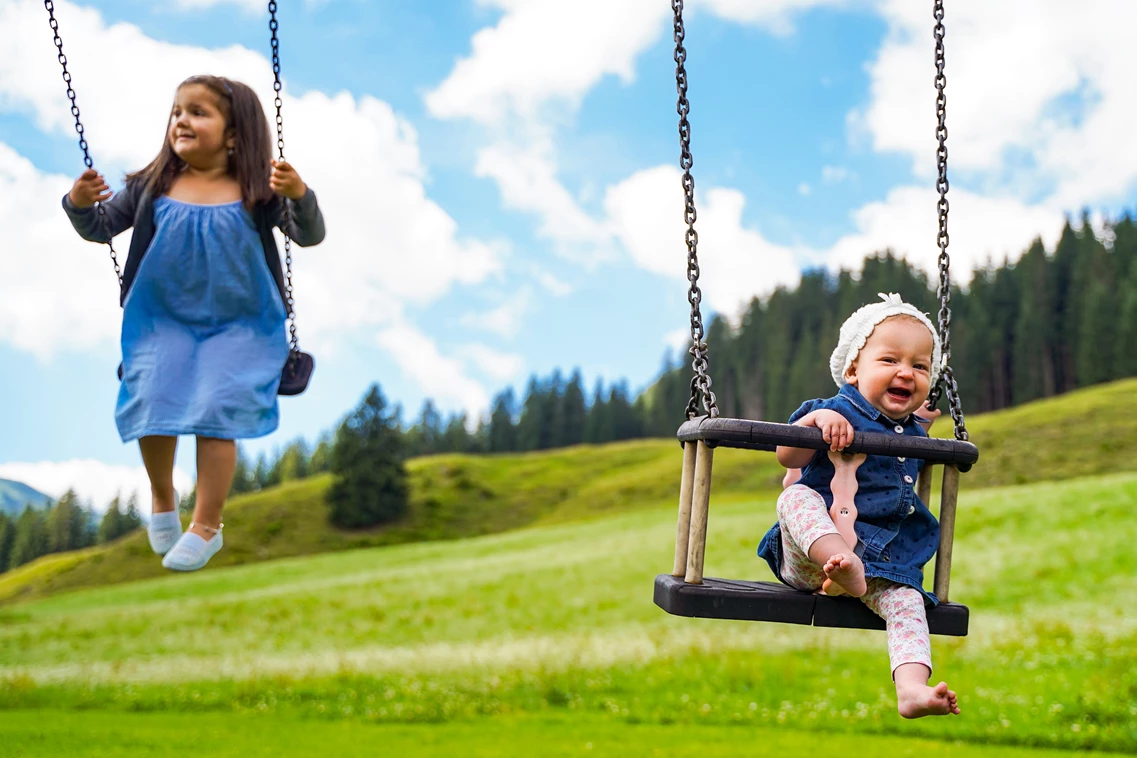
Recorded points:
203,329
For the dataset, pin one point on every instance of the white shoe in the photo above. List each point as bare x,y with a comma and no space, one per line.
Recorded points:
164,530
192,552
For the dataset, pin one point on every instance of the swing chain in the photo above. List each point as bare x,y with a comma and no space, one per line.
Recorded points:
701,381
273,25
947,377
87,161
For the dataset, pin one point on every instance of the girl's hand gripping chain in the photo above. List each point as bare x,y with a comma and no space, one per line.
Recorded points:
89,188
285,181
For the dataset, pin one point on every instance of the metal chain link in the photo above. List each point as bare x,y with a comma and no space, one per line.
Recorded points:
273,25
947,378
87,161
701,381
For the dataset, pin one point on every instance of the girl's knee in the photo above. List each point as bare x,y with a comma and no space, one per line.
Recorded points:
795,497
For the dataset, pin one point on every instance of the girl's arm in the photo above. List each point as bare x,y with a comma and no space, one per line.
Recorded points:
84,216
307,225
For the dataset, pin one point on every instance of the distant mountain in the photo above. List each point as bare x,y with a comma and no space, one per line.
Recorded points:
15,495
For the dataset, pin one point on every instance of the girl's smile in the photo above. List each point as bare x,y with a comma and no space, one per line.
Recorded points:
199,132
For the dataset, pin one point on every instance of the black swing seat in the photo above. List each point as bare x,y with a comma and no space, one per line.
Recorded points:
775,602
770,601
767,436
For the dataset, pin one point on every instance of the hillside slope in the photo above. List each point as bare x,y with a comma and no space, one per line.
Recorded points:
1092,431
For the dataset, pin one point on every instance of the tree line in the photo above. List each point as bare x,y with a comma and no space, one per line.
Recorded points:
66,524
1051,322
1048,323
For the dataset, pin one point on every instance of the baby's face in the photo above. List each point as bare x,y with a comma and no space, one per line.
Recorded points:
894,369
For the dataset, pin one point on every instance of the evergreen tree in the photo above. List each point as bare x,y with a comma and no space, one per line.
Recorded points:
320,459
31,540
371,480
7,538
597,427
455,437
67,522
110,526
292,463
573,412
535,417
502,432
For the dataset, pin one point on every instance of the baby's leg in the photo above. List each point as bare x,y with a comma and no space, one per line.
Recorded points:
909,649
216,463
809,538
158,457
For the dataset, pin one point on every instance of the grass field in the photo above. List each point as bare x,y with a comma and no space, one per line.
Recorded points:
544,640
456,496
558,620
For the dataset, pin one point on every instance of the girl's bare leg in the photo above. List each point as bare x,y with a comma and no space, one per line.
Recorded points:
158,457
216,463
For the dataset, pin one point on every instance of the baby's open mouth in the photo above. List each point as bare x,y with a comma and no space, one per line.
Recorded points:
899,393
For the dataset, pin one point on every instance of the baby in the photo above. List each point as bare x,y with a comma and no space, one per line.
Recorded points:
886,362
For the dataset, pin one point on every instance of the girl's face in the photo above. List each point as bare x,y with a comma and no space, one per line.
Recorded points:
893,369
198,133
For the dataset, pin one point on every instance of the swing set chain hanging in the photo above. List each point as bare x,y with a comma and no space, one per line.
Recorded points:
87,161
701,381
273,25
947,377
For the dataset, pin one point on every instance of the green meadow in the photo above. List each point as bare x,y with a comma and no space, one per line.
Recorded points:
511,614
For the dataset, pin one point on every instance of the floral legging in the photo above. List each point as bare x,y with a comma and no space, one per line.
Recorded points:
804,519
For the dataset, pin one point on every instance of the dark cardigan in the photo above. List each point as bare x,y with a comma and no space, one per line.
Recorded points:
133,206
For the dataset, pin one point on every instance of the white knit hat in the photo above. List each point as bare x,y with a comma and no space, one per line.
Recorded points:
857,328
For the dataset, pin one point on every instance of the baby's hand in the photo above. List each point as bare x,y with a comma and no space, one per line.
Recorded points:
89,188
285,181
835,428
927,416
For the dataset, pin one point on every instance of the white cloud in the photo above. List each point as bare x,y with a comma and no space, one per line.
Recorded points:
1009,64
979,228
506,319
526,177
530,72
388,243
803,189
493,363
92,480
439,377
736,262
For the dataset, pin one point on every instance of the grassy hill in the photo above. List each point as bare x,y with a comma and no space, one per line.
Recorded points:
1092,431
555,622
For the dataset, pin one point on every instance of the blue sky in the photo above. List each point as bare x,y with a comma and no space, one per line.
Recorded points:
499,178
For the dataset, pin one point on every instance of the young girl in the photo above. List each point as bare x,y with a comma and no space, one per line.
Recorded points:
203,330
885,363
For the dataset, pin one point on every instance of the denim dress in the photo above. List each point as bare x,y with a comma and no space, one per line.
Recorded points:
203,329
896,533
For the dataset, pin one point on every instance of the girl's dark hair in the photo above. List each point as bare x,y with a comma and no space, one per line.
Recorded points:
252,154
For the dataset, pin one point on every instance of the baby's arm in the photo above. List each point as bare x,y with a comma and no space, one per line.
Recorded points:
79,204
835,429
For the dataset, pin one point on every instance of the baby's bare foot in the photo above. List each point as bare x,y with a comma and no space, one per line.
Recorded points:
916,700
847,570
